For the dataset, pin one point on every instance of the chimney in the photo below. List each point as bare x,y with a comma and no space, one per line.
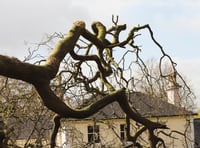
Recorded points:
173,90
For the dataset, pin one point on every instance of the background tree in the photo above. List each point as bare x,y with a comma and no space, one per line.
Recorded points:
90,64
23,114
154,84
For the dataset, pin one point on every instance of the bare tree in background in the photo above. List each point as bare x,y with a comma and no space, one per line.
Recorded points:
159,84
23,115
90,64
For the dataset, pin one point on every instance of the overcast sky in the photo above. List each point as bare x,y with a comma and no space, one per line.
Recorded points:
176,24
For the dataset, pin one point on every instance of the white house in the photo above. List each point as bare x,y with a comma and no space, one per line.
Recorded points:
107,127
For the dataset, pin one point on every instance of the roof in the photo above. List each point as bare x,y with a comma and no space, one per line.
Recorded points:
25,127
145,105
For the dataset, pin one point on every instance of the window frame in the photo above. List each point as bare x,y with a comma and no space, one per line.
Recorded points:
196,124
93,133
122,132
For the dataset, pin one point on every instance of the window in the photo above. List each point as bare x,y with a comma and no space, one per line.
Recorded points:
93,134
197,132
122,131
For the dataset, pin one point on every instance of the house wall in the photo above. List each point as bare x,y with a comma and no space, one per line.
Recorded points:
178,126
21,143
75,132
109,133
